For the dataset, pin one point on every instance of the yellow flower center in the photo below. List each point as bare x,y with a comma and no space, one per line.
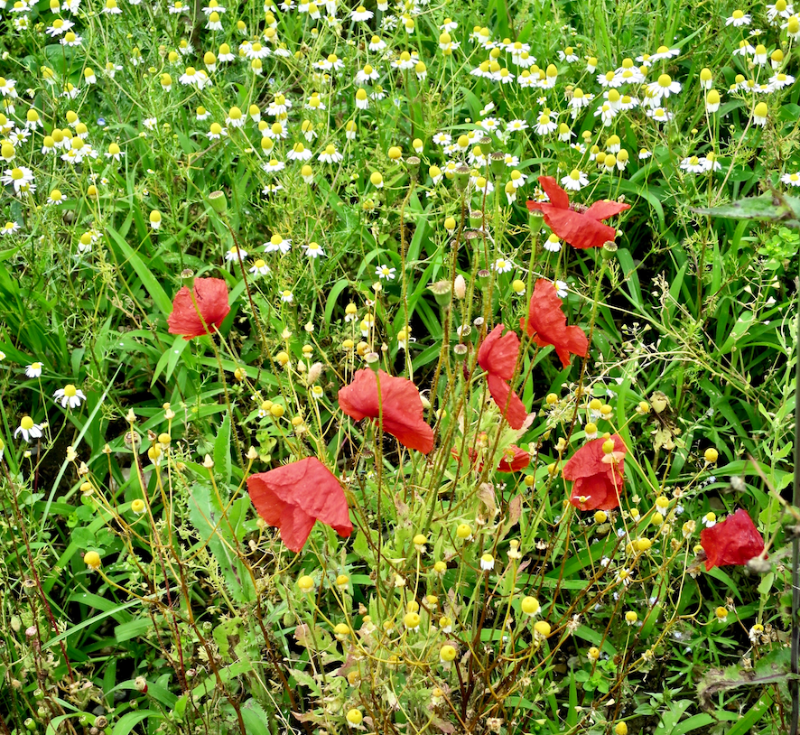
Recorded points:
26,423
70,391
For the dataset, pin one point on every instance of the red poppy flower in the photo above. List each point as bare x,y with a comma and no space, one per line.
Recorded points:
514,459
401,404
598,476
498,357
580,229
211,295
294,496
547,324
734,541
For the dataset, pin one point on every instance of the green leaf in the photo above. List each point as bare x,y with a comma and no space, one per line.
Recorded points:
215,530
129,720
149,281
222,450
773,206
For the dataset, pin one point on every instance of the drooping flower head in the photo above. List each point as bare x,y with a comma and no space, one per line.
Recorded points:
580,229
734,541
498,357
211,296
547,324
597,474
294,496
400,405
514,459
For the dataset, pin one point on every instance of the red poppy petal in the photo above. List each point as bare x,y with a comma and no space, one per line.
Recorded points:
498,354
400,402
547,324
507,401
578,230
588,460
211,295
519,460
296,527
293,496
605,209
558,197
600,493
734,541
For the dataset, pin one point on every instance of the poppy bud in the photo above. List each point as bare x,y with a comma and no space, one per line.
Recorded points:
460,287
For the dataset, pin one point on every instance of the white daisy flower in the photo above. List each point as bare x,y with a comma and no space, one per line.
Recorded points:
738,19
28,429
70,396
384,272
575,180
260,268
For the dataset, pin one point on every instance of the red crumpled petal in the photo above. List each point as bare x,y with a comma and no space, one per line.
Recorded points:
605,208
558,197
211,295
294,496
498,353
594,476
578,230
734,541
600,492
582,230
513,408
547,324
514,459
401,404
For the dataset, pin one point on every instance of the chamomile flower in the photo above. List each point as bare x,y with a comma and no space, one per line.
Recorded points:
21,178
330,154
59,27
314,250
384,272
502,265
361,14
659,114
710,162
277,243
575,180
738,19
743,49
376,44
69,396
259,268
693,165
28,429
780,9
552,244
791,179
662,54
9,228
780,80
515,126
71,39
235,253
299,153
287,297
273,166
34,370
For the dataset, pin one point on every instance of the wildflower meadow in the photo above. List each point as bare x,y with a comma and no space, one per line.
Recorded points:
415,367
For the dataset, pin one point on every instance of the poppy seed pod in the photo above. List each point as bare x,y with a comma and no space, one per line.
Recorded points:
218,201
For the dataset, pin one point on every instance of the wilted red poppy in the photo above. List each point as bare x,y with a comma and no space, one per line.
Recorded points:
498,357
598,476
514,459
547,324
582,229
400,402
211,295
734,541
294,496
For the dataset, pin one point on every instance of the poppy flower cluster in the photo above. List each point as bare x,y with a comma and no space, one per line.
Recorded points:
400,407
597,470
293,497
201,310
581,229
547,324
734,541
498,357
